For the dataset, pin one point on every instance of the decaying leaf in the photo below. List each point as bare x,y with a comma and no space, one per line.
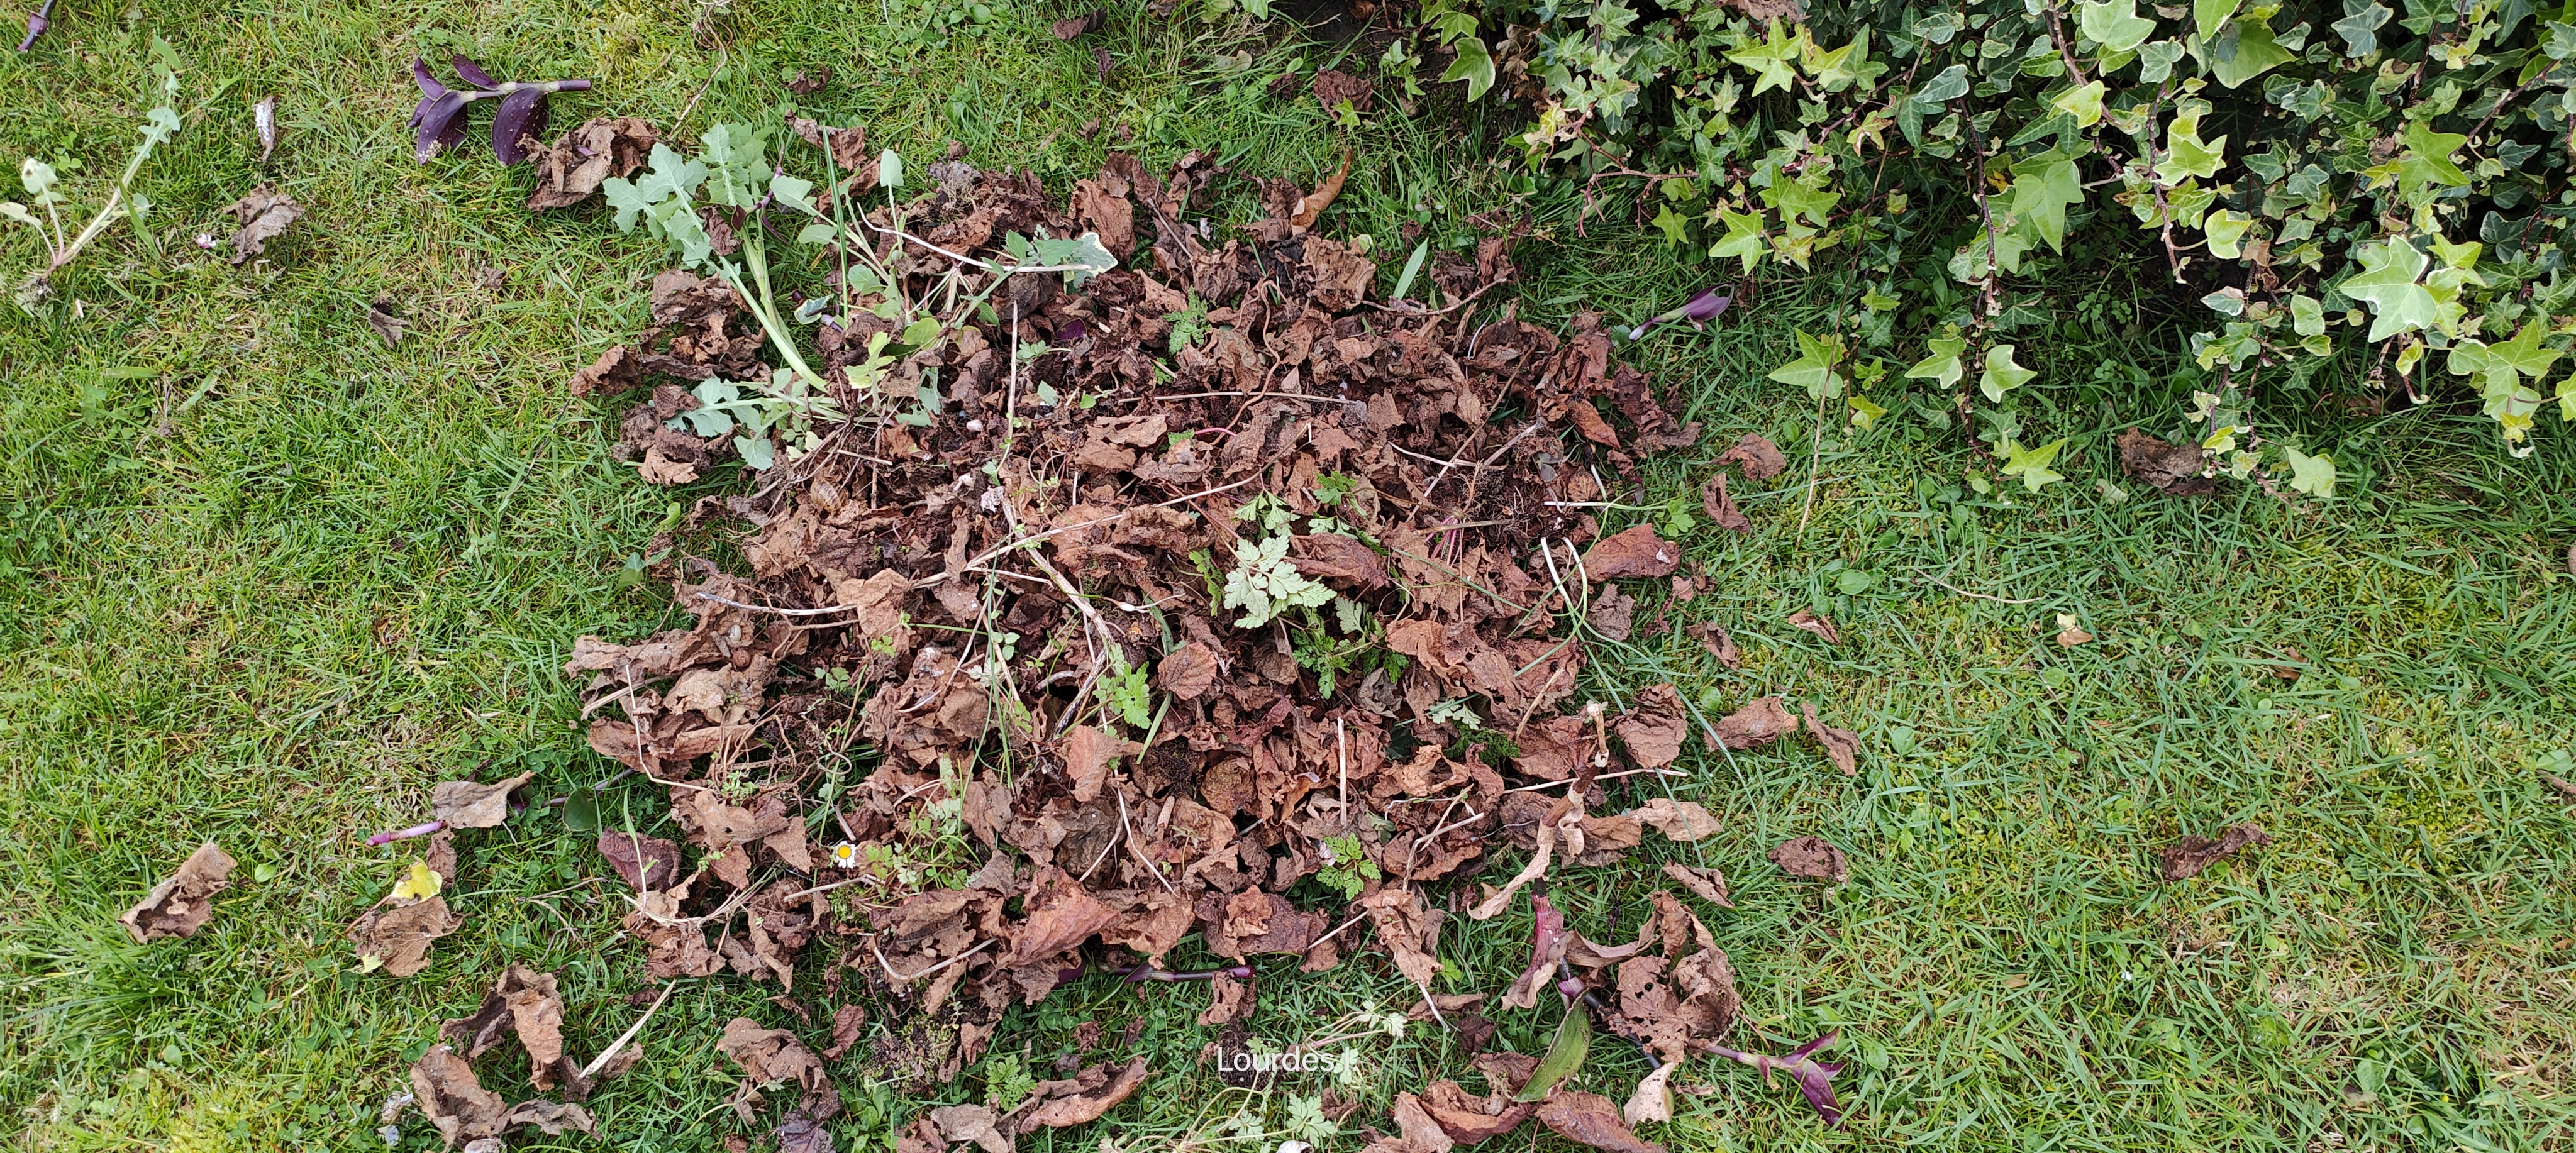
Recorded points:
1707,884
643,862
1677,820
1654,730
2172,469
444,1086
1819,625
1073,27
387,319
1714,638
396,937
1229,1000
776,1057
1311,206
1758,723
1089,753
2188,856
1842,746
1636,552
1334,87
1078,1099
1720,506
1811,858
976,1124
1590,1119
524,1003
573,168
1653,1100
179,906
1757,456
467,805
1188,672
2069,633
263,216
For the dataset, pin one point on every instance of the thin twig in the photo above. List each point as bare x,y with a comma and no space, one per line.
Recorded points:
601,1062
899,976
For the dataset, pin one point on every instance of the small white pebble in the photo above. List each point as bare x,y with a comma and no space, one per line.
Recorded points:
975,426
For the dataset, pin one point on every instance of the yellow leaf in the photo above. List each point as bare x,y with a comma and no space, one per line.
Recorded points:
419,884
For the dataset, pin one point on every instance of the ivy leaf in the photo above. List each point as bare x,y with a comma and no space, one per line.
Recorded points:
1773,61
1813,370
2185,154
2083,103
2226,228
2313,475
2043,186
2387,284
1743,239
2208,16
2567,400
1943,365
1950,85
2002,375
2031,464
2115,24
1796,198
1475,65
2427,159
2360,29
1676,227
2245,51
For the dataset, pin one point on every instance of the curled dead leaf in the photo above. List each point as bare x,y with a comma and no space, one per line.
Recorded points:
179,905
1676,820
1590,1119
2186,857
263,216
466,805
1757,456
1758,723
1707,884
1842,746
1636,552
1654,730
1811,858
1819,625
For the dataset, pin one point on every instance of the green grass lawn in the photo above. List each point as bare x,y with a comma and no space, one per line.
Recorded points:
264,580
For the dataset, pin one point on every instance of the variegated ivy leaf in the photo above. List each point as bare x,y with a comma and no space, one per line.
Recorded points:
1773,62
1743,239
2031,464
2387,283
2115,24
2313,475
2084,103
1813,369
1474,64
2001,374
1943,365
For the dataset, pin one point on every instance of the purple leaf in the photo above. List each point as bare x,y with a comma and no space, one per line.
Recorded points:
522,114
441,123
472,72
430,88
1707,306
1815,1078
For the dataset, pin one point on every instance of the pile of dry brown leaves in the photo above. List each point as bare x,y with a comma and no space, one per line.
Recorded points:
1176,588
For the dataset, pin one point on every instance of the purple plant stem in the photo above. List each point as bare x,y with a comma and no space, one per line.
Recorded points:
1149,973
420,830
36,25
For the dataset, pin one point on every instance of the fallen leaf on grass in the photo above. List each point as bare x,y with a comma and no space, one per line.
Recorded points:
1421,1133
809,81
1653,1100
1228,1000
525,1003
2172,469
1758,723
1612,614
263,215
1312,205
2565,787
1409,927
1468,1118
1811,858
1707,884
2187,857
1333,86
775,1056
1548,941
1714,500
1842,746
644,863
388,323
396,938
1088,755
1714,638
463,1110
179,906
1819,625
1077,1100
1061,915
1677,820
1757,456
467,805
1634,553
2070,634
1654,730
847,1023
572,169
975,1123
1590,1119
1072,27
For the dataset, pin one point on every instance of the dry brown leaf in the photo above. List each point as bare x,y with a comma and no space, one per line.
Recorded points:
1333,86
1654,730
1842,746
263,215
397,937
975,1123
1410,927
523,1002
1496,900
1757,456
572,169
1811,858
1653,1100
1228,1000
387,320
1676,820
2172,469
643,862
1061,915
1590,1119
1819,625
453,1099
179,906
1421,1133
1073,27
2070,634
1758,723
1707,884
1636,552
1188,672
1714,500
1468,1118
466,805
1088,755
2187,857
1714,638
1079,1099
769,1056
1312,205
847,1024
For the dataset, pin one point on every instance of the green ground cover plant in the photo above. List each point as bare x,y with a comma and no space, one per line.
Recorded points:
271,574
